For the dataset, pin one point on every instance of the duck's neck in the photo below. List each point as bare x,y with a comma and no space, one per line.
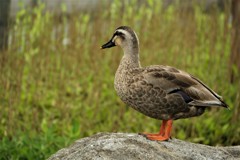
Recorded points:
130,58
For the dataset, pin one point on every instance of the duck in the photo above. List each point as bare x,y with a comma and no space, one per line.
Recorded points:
158,91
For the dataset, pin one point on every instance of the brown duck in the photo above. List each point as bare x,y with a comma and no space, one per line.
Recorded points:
160,92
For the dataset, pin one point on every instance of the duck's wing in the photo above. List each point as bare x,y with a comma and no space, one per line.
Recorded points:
174,81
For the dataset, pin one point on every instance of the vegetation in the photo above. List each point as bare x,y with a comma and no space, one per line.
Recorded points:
57,85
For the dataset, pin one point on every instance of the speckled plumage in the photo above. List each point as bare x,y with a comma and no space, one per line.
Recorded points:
160,92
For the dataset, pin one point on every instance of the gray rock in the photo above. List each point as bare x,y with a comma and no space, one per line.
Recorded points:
122,146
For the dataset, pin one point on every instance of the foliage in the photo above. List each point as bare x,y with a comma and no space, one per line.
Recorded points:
57,85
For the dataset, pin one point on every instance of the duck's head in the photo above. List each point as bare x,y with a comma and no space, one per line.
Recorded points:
124,37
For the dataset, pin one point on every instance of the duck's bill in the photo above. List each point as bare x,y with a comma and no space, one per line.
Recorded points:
108,45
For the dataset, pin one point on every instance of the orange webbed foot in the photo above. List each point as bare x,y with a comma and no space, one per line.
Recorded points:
157,137
164,133
149,134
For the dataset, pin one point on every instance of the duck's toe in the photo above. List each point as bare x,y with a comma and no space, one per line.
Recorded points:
157,137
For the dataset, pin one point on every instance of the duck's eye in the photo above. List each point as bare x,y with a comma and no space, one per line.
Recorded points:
120,34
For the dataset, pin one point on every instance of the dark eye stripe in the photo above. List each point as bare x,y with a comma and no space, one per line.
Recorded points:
120,34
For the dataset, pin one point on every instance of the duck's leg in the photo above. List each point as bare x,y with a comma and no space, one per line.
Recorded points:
161,132
164,133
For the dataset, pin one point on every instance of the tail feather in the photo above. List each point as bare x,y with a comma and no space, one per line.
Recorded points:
208,103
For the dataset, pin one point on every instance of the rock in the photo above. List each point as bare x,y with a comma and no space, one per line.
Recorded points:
123,146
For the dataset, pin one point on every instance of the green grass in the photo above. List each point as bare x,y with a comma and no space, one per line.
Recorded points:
57,85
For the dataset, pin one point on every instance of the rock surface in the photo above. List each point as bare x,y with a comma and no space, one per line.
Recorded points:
123,146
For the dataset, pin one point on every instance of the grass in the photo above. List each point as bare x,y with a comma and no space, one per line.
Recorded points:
57,85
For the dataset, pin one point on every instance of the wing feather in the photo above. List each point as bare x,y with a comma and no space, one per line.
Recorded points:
171,79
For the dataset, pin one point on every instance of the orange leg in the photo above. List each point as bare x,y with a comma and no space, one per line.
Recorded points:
161,132
164,133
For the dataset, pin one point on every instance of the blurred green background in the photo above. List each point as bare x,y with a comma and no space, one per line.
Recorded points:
56,85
